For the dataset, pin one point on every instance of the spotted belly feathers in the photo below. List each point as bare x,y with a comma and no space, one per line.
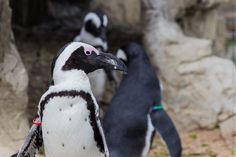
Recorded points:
70,125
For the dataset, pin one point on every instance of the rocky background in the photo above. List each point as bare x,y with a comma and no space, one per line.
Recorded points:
191,43
13,87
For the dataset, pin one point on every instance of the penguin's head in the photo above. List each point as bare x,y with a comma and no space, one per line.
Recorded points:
94,29
78,56
129,52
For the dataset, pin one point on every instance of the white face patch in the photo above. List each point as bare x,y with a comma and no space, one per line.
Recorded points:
121,54
105,20
95,19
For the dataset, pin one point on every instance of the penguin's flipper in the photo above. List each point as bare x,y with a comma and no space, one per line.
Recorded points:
166,128
33,141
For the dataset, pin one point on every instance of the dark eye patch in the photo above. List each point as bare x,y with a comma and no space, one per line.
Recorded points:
79,60
91,28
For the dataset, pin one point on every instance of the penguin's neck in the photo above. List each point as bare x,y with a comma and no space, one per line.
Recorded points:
141,69
72,78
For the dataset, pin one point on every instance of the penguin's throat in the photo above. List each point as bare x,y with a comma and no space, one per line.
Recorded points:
72,76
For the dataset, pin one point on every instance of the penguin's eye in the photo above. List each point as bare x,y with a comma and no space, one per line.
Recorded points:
87,53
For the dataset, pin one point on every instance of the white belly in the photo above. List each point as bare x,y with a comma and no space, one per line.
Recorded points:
66,129
150,129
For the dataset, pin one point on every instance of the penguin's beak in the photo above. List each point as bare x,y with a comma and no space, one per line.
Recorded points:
108,61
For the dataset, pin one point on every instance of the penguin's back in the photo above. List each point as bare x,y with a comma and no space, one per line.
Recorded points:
127,124
127,138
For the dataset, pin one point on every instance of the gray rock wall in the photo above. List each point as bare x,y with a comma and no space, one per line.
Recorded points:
201,19
13,86
120,12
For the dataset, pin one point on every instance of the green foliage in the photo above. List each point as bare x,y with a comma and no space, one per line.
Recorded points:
41,151
193,136
230,43
233,151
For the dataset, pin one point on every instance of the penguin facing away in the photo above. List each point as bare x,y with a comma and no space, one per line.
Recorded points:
68,117
93,32
135,112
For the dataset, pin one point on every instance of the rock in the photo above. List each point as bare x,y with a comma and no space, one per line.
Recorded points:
177,10
13,86
224,116
200,19
5,151
228,131
206,25
122,12
198,86
231,54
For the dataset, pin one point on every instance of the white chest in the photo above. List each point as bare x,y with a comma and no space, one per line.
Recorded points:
150,129
66,129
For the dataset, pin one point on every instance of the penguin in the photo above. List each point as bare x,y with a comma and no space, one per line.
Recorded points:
68,122
135,112
93,32
94,29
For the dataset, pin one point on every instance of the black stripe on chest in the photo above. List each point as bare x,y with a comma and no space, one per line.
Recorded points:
90,106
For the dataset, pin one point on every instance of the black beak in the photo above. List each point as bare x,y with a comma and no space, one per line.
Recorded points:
108,61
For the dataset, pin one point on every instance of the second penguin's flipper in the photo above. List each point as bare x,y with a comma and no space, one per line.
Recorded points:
33,141
166,128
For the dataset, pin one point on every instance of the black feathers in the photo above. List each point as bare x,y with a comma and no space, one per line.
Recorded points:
80,61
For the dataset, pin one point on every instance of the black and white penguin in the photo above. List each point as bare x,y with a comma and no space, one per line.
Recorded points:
135,112
93,32
68,117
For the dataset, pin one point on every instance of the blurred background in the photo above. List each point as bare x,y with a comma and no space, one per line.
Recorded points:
191,44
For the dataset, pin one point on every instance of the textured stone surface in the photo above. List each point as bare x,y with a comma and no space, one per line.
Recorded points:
228,131
13,85
199,87
231,54
200,19
179,9
120,12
